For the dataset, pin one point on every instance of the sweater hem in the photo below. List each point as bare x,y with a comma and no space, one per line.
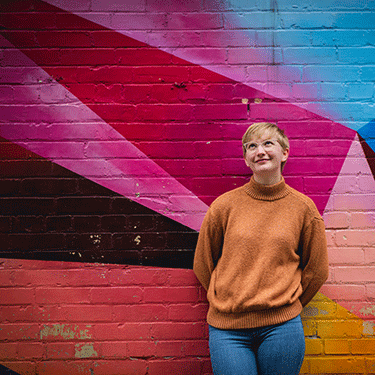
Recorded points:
253,319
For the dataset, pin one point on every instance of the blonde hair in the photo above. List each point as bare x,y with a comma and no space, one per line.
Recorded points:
258,128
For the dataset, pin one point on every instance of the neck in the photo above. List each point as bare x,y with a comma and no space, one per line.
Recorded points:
267,180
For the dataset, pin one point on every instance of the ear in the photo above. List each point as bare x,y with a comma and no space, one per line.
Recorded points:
285,155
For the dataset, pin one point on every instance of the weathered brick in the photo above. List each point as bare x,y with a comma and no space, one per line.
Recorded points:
116,295
172,367
74,295
140,313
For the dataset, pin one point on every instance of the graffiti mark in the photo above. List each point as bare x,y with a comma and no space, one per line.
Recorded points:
64,331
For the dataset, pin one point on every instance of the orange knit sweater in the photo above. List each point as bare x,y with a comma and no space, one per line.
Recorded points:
261,255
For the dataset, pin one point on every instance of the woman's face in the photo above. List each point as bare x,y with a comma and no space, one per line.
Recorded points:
264,156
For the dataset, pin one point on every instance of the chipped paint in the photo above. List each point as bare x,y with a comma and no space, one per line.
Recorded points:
370,310
65,331
368,328
85,351
137,240
96,238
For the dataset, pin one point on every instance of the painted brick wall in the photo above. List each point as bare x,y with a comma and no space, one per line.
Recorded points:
120,122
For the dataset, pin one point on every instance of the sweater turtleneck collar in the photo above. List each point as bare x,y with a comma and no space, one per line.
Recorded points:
266,192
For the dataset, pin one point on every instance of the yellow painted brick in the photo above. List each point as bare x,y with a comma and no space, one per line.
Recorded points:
370,365
336,347
314,346
339,328
342,313
337,365
320,310
309,327
364,346
320,297
305,369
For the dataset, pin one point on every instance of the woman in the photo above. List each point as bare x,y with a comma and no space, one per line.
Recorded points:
262,256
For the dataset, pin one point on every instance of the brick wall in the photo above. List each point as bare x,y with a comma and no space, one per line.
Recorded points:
121,122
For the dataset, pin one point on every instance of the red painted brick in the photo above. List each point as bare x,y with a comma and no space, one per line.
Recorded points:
142,349
188,313
6,277
59,367
62,295
21,367
138,276
74,278
196,348
28,350
15,332
8,351
182,278
75,313
14,314
126,367
113,349
140,313
173,367
17,296
60,350
171,295
178,331
116,295
122,331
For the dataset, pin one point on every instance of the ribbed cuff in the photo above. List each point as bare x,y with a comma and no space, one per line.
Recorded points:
253,319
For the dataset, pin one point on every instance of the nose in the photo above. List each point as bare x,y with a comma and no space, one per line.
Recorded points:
260,149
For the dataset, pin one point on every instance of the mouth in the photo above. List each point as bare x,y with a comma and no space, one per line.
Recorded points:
261,160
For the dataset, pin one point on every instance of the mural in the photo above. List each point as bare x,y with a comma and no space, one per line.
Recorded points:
120,123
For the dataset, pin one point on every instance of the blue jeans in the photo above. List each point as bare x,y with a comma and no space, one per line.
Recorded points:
272,350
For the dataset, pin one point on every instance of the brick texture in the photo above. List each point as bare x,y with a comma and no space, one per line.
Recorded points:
121,122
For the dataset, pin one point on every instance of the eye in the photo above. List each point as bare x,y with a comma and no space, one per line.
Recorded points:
251,146
269,143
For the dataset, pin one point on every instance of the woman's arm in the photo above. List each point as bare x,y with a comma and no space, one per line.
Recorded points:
208,249
314,260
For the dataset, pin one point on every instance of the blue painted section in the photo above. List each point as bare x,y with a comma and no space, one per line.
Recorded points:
330,42
367,132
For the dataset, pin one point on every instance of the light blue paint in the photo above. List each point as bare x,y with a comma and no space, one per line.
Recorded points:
331,41
367,132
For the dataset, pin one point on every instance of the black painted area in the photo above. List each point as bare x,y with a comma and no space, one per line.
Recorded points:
7,371
370,155
49,213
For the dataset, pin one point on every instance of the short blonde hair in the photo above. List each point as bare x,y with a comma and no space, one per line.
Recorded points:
258,128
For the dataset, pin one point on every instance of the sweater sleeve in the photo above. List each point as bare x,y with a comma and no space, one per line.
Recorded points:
208,249
314,260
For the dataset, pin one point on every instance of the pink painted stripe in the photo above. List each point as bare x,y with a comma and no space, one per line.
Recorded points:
352,197
136,20
128,171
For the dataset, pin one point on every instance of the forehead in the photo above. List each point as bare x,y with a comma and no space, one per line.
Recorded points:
261,135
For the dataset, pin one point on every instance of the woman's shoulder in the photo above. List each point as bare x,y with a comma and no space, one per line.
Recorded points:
228,198
306,202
